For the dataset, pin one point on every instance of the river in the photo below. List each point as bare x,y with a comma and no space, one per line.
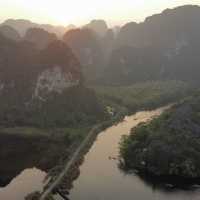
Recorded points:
101,179
28,181
24,163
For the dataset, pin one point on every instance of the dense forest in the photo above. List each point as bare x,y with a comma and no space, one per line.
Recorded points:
169,144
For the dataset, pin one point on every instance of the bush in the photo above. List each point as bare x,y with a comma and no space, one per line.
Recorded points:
168,145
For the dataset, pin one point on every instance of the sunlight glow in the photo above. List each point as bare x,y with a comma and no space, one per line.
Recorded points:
81,11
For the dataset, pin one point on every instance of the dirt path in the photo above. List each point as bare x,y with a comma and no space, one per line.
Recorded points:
93,133
70,163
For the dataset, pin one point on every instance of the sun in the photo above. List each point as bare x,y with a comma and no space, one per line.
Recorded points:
60,11
79,12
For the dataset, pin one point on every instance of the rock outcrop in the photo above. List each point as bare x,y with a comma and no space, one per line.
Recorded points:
35,82
164,46
98,26
39,37
87,47
22,25
10,33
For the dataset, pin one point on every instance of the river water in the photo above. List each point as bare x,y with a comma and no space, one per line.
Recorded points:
28,181
101,179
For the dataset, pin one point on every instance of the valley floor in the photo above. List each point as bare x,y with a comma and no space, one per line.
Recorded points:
58,144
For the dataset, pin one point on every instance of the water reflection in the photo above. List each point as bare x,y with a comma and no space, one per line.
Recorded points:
24,162
164,183
101,179
26,182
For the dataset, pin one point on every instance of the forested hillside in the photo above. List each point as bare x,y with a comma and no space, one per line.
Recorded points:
168,145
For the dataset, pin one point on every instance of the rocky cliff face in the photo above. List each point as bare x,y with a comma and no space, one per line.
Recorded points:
53,80
87,47
163,29
22,25
39,37
42,87
166,44
61,70
9,32
40,72
98,26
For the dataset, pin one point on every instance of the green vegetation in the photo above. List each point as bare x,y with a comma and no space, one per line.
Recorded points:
46,148
65,134
76,106
56,132
82,108
168,145
141,96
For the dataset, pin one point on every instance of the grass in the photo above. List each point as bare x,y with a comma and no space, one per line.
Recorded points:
168,145
70,134
141,96
25,131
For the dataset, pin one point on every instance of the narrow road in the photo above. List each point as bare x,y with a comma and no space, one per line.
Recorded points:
69,164
93,132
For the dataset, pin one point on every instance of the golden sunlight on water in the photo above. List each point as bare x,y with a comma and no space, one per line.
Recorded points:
28,181
101,179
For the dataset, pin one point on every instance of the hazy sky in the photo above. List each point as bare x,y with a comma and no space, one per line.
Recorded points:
80,12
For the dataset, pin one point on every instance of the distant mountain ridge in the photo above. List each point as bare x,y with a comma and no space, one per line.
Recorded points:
10,33
87,47
161,29
43,87
164,46
39,37
92,44
22,25
49,69
100,27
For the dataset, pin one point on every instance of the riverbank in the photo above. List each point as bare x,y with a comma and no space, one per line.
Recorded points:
66,183
118,102
63,179
160,94
169,145
100,177
29,147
